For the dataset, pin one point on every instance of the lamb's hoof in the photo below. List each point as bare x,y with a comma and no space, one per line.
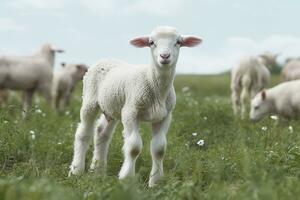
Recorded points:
75,170
96,167
154,179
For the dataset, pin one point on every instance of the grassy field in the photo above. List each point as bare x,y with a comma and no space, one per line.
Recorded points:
239,159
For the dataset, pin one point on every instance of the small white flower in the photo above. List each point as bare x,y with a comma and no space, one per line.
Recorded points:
205,118
291,129
274,117
5,122
59,143
38,111
67,112
200,142
185,89
32,134
264,128
194,134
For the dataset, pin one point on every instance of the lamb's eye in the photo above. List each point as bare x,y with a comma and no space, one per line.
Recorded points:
151,43
178,43
256,107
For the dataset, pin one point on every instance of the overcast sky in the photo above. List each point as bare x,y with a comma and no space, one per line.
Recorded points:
93,29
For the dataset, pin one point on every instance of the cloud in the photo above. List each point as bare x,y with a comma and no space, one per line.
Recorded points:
153,8
156,7
8,24
233,49
26,5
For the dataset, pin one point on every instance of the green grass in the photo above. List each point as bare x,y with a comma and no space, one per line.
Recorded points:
239,160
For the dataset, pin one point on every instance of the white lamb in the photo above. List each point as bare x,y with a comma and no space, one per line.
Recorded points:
29,73
247,79
131,94
291,70
64,81
282,100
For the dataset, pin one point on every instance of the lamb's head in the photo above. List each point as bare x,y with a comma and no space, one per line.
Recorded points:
269,59
165,43
260,106
77,70
50,49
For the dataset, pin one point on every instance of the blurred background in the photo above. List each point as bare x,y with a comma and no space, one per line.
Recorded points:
93,29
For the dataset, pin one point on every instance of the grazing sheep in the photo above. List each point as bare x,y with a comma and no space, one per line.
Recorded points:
291,70
131,94
248,78
64,81
29,73
282,100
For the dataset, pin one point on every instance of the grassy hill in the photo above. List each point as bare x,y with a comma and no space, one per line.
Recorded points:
239,159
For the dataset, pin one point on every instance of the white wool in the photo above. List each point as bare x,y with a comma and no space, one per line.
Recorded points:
64,81
291,70
28,73
247,79
282,100
130,94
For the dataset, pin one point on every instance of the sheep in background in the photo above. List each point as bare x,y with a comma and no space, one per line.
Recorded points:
29,73
291,69
132,94
64,81
282,100
248,78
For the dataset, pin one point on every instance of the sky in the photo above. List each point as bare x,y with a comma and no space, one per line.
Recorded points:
90,30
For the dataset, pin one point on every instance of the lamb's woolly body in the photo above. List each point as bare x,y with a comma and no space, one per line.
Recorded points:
64,81
291,70
282,100
23,73
120,83
247,79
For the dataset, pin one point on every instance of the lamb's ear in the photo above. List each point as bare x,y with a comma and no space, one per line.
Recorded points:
263,95
189,41
63,64
140,42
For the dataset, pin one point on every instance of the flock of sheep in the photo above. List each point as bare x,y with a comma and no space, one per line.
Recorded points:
249,80
135,93
35,73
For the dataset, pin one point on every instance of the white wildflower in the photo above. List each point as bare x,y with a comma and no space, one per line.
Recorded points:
200,142
194,134
38,111
204,118
67,112
185,89
32,134
5,122
274,117
291,129
59,143
264,128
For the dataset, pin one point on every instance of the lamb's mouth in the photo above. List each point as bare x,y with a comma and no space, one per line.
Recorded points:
165,62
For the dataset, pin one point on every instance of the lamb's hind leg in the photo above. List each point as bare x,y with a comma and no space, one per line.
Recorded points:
83,134
102,138
158,149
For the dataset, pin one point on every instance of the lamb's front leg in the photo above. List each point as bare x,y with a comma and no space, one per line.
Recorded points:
158,148
132,143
